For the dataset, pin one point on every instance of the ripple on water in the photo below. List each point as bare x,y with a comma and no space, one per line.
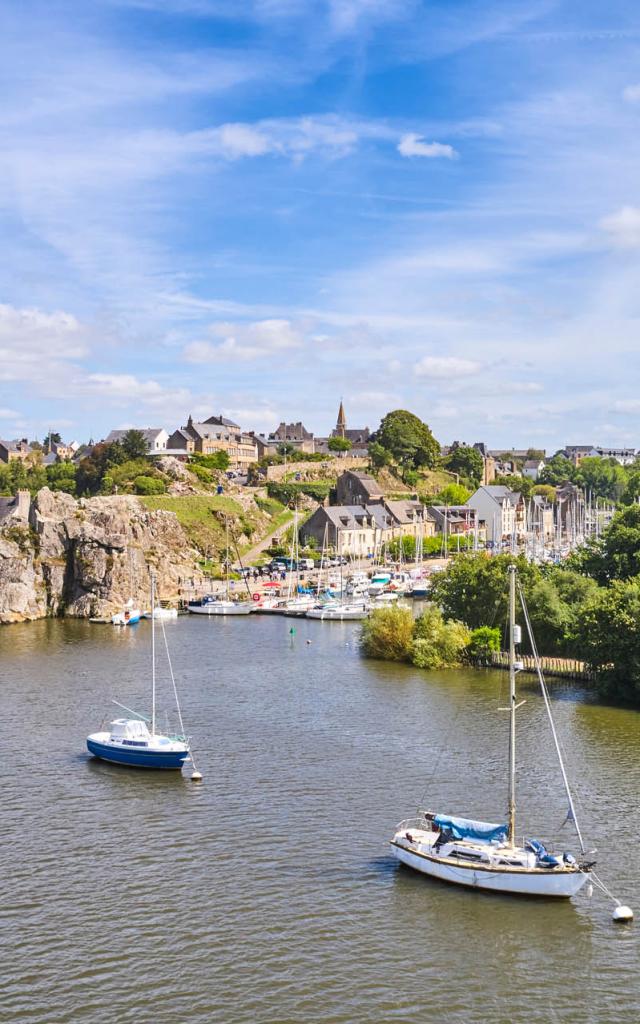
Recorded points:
268,894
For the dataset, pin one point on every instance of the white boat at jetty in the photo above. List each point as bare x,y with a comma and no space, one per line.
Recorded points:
486,855
211,605
161,613
339,611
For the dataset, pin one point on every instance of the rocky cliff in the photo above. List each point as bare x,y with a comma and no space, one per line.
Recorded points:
88,557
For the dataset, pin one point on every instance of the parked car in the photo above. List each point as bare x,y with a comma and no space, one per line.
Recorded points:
306,563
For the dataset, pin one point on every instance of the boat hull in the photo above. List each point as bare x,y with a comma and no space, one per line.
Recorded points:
226,609
516,882
137,758
337,614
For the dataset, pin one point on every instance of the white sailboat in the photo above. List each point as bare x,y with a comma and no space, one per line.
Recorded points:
487,855
212,604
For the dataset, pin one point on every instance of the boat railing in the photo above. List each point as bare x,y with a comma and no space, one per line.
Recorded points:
418,821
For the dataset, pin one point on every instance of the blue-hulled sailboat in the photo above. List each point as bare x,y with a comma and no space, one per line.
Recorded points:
134,742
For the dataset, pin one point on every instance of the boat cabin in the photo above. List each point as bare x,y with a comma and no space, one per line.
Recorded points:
131,732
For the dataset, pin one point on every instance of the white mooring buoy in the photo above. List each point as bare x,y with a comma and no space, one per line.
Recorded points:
196,777
622,914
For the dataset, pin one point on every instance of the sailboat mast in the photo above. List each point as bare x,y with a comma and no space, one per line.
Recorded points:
153,654
226,524
512,705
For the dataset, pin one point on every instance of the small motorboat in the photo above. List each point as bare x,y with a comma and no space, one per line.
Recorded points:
128,616
339,611
162,613
211,605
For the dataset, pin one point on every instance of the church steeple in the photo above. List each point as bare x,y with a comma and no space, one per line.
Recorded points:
341,425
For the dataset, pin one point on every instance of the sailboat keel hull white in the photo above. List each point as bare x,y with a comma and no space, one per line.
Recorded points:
558,883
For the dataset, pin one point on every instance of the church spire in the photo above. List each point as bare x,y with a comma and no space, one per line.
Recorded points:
342,421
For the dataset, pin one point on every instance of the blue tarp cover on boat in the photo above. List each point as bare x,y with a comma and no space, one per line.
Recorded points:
465,828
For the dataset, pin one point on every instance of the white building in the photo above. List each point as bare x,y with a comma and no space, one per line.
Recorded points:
502,511
533,468
156,437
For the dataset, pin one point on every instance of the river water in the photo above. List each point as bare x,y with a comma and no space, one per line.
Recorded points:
267,893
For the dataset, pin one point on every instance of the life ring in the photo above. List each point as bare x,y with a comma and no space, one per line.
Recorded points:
256,597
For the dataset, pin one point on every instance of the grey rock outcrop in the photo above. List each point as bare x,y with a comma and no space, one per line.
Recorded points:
89,557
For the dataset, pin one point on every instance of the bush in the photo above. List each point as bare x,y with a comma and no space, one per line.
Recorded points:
436,643
288,493
203,474
149,485
219,460
388,634
484,641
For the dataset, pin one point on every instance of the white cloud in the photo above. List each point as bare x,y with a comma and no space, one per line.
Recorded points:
623,227
8,414
445,367
245,342
414,145
125,388
631,94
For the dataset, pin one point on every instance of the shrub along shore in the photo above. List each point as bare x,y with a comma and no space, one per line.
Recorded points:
588,609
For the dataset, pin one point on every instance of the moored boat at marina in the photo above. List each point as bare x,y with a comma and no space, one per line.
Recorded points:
340,611
212,605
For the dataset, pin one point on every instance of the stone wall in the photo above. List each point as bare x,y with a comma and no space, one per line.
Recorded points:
330,469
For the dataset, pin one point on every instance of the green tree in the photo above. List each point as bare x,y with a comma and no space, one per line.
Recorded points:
134,445
62,477
408,440
339,444
52,438
467,462
378,456
545,491
473,589
609,627
452,494
616,556
603,478
558,470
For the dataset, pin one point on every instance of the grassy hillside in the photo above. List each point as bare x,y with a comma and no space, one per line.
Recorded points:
203,519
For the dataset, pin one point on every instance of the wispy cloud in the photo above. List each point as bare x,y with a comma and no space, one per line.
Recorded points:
413,145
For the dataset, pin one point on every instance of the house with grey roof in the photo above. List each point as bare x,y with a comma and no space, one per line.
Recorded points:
11,451
356,488
156,438
503,513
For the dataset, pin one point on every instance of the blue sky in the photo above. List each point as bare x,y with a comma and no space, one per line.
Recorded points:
259,207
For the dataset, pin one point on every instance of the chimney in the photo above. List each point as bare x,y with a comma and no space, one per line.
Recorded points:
23,505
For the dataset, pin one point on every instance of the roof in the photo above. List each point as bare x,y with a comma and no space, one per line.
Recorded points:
532,463
149,434
403,511
500,493
221,421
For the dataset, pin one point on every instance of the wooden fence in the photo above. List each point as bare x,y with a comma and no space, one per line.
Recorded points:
569,668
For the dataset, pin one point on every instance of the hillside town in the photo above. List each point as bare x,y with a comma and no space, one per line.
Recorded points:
354,496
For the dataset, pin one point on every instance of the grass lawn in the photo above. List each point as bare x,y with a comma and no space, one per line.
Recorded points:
194,513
